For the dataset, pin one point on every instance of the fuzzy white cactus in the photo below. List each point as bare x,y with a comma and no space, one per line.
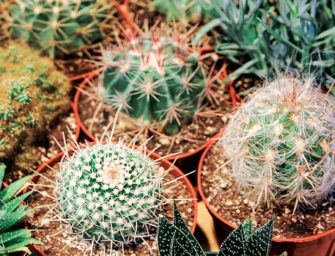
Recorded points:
110,193
281,144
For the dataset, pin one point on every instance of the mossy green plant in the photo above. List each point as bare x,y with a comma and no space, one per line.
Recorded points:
32,95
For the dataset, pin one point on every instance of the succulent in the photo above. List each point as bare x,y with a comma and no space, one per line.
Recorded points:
60,26
294,35
180,10
281,144
176,239
32,95
157,79
11,212
109,193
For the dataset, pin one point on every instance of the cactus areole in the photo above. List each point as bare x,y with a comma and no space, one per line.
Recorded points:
110,193
157,80
282,144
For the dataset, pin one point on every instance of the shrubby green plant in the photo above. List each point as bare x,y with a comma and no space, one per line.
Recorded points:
295,36
58,27
11,212
32,95
176,239
281,144
156,78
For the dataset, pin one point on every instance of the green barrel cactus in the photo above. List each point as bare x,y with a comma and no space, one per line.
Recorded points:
156,79
187,11
281,144
32,95
109,193
59,27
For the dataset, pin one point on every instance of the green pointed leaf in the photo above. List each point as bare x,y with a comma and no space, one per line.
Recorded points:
13,204
2,173
11,219
8,236
235,244
14,188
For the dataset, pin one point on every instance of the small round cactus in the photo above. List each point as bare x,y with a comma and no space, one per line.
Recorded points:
60,26
109,193
157,79
281,144
32,95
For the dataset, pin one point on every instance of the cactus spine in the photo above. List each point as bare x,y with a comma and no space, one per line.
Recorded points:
281,144
110,193
156,78
60,26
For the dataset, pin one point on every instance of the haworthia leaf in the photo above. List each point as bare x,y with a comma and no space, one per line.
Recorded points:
234,245
13,188
2,173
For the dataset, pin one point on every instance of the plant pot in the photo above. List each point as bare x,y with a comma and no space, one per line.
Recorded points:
175,171
187,161
321,245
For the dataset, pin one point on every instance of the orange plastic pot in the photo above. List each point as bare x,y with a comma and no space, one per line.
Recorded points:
163,162
316,245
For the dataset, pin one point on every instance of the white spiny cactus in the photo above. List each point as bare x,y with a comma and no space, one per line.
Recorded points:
110,193
281,144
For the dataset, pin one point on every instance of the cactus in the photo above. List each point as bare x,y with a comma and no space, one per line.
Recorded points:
57,26
156,79
109,193
281,144
176,239
32,94
186,11
11,212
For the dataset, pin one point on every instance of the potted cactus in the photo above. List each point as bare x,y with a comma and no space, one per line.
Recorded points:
164,87
276,157
60,27
12,211
106,198
33,94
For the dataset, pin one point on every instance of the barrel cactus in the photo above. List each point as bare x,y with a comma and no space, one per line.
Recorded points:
59,27
157,79
32,95
281,144
186,11
109,193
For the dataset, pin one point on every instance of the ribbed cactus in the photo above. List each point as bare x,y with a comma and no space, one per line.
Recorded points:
32,94
281,144
186,11
155,78
109,193
60,26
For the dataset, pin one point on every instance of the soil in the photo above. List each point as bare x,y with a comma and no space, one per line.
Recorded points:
58,239
190,137
227,199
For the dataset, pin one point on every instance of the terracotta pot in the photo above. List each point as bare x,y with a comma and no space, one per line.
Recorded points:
163,162
316,245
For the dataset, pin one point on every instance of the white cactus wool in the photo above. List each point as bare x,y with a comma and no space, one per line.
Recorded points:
280,144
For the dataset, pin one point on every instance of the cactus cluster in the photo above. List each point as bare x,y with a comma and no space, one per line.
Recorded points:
156,78
60,26
109,193
281,144
32,94
185,11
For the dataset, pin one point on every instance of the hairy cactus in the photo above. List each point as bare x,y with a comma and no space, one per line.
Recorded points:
180,10
60,26
281,144
109,193
156,78
32,94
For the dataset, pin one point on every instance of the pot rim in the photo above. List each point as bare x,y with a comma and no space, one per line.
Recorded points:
175,171
230,225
